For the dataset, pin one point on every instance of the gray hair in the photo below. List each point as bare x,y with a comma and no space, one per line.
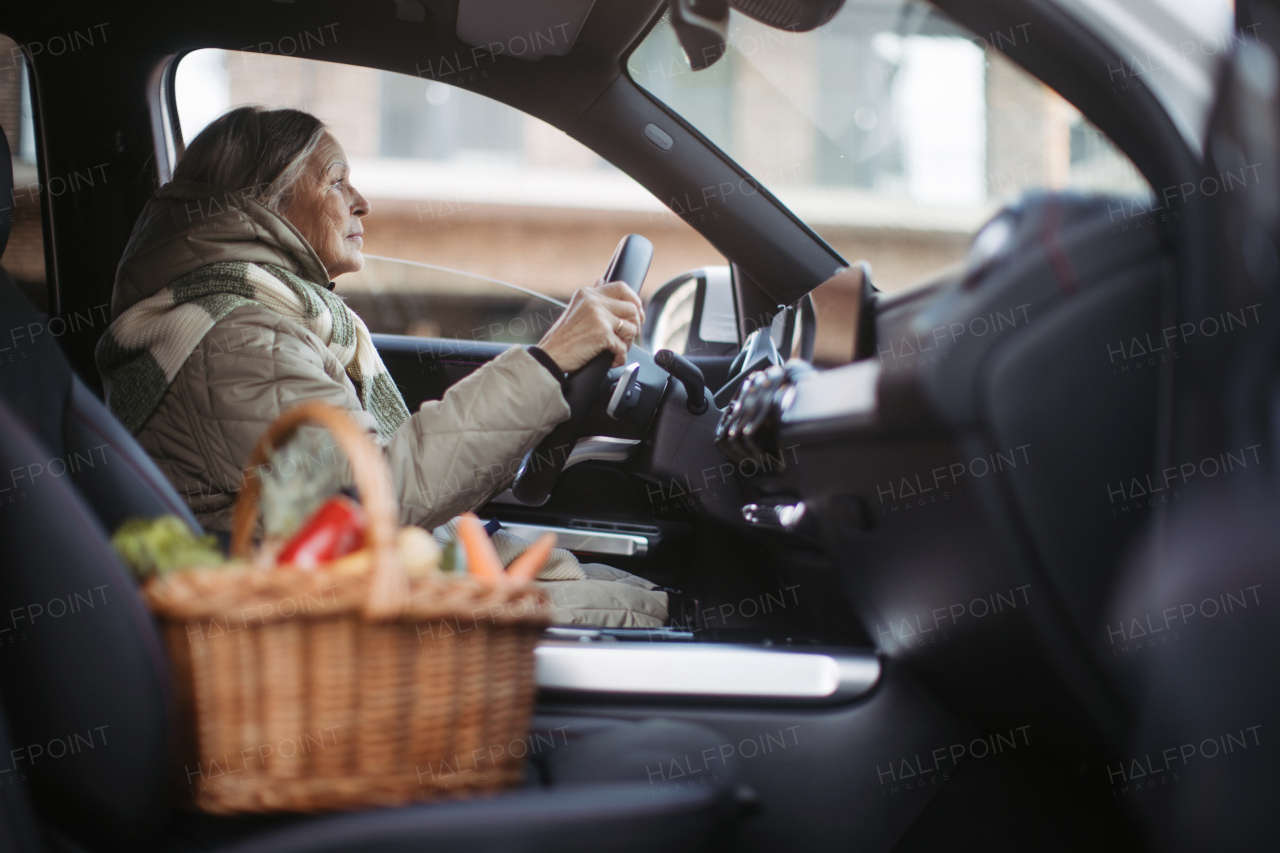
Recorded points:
259,152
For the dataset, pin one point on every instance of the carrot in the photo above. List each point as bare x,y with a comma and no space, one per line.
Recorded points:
526,566
482,559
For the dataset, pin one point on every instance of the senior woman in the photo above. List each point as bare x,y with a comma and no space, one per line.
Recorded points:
224,316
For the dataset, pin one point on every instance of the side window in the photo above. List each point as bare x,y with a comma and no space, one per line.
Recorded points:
482,217
23,256
892,131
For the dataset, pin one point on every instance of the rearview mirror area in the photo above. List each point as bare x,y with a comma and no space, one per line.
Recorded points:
702,26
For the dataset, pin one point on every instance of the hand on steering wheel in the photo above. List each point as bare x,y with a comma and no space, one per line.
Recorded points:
596,331
605,316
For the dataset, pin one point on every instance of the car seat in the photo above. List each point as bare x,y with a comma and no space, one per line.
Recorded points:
85,727
1199,769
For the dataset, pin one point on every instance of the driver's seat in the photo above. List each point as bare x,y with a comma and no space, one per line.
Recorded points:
85,684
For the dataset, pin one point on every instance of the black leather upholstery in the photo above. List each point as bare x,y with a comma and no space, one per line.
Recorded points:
83,674
1198,769
84,441
18,831
1205,678
35,377
124,483
625,818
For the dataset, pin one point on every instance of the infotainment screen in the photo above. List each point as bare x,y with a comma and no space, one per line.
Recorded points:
844,306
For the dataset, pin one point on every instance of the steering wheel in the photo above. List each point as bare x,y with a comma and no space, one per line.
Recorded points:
544,463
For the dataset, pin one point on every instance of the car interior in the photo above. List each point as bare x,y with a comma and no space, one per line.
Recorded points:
892,578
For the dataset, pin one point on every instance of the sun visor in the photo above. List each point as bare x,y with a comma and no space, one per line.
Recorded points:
522,28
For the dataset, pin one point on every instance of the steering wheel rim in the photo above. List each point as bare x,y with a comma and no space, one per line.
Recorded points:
542,465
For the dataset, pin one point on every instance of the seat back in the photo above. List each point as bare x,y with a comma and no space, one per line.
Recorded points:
97,455
83,674
1203,676
18,832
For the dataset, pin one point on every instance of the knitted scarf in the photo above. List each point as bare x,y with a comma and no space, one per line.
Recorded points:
143,350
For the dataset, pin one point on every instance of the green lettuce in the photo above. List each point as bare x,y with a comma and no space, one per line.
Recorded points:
151,545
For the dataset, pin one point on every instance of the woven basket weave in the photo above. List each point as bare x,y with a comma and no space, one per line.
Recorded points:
307,691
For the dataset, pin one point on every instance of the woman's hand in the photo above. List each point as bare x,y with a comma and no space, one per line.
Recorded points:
605,316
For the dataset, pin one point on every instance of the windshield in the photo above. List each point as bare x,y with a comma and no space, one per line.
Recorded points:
410,298
891,131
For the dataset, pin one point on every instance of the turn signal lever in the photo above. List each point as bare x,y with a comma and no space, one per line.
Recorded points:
689,376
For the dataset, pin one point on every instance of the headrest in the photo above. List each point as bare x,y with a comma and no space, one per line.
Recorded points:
6,191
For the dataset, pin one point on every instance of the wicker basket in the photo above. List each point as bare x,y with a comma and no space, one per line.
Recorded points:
305,691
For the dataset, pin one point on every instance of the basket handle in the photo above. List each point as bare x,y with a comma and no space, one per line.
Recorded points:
389,590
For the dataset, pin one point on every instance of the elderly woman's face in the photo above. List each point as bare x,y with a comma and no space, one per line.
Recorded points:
327,209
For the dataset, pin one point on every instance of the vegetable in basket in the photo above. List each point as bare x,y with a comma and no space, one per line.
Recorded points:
526,566
482,557
336,529
155,545
297,479
334,539
451,559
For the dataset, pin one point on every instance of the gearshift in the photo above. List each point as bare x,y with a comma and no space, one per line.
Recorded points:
689,375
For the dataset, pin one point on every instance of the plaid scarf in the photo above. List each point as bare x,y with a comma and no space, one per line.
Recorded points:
143,350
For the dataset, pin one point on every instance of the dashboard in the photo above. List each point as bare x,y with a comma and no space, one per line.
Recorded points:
958,478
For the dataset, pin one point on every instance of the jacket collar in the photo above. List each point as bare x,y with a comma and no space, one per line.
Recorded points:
186,226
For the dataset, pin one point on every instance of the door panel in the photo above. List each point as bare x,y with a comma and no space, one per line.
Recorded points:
827,777
424,368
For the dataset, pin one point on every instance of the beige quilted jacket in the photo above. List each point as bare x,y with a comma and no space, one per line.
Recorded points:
449,457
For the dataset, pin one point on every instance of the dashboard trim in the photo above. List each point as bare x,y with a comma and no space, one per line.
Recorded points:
705,670
578,539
